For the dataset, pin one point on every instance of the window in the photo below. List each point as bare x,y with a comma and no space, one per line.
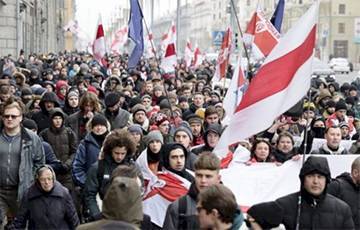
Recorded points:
248,2
341,48
341,28
341,8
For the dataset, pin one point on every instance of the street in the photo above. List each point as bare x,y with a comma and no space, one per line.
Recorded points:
342,78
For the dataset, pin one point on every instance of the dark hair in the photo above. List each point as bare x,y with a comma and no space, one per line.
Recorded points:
331,127
119,138
207,161
253,148
210,110
220,198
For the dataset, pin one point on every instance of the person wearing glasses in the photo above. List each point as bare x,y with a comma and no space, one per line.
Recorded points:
21,153
46,204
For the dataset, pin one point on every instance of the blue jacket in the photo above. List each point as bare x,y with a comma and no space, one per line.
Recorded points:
86,155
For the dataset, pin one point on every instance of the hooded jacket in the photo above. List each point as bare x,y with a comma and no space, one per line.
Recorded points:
46,210
321,212
344,188
211,128
42,118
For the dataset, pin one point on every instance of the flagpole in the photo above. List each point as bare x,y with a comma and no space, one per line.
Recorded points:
242,39
158,64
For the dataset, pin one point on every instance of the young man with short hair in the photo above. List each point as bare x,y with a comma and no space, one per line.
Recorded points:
181,214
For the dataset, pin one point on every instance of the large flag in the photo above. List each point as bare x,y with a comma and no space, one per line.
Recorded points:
120,39
99,48
223,58
235,92
149,46
278,15
280,83
169,60
261,35
135,34
188,54
198,57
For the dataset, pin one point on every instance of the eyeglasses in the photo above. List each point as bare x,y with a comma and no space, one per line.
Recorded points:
7,116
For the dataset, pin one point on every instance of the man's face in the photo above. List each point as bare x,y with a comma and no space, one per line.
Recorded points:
195,129
333,137
155,146
184,105
340,114
344,131
199,100
182,138
46,180
187,93
309,114
118,154
57,121
212,119
285,144
206,220
12,118
315,183
212,139
149,88
146,102
136,136
177,159
49,105
205,178
140,117
73,101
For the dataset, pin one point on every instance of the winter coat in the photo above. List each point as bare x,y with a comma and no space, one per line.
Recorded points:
97,181
32,157
344,188
74,122
119,120
50,158
324,149
329,213
86,155
42,118
53,210
189,220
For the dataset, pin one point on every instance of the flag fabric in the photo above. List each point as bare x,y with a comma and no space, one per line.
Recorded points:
234,93
169,59
278,15
161,189
223,58
135,34
149,48
188,54
119,40
198,57
261,35
281,82
99,48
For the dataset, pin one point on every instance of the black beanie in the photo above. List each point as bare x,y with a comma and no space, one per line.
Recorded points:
98,119
111,99
30,124
340,105
267,215
330,104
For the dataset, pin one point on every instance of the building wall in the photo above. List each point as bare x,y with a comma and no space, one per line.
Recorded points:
69,14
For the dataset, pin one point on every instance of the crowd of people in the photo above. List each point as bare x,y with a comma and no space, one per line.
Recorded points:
74,131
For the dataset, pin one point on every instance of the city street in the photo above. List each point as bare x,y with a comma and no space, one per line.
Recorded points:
342,78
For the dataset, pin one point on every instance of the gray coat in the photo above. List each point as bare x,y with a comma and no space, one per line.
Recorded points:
120,120
32,157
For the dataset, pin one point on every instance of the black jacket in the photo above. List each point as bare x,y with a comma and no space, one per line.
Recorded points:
328,213
344,188
54,210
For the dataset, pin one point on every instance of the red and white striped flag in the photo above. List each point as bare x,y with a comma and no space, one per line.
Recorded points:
198,57
223,58
261,35
280,83
188,54
99,48
120,39
169,60
149,48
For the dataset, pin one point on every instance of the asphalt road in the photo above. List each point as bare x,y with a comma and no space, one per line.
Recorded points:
342,78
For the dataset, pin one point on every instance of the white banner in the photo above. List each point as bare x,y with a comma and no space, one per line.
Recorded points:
263,182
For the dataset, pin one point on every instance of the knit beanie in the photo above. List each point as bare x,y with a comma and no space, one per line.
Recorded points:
185,127
136,128
340,105
154,136
30,124
98,119
73,93
137,108
111,99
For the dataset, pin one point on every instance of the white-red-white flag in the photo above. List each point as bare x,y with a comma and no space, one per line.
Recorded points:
99,47
261,35
235,92
169,60
281,82
223,58
119,40
198,57
149,46
188,54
